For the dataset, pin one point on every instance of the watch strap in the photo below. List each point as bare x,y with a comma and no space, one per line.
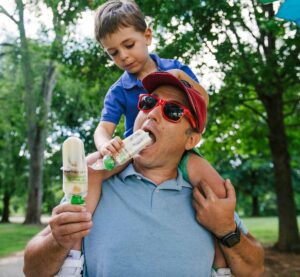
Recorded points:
231,239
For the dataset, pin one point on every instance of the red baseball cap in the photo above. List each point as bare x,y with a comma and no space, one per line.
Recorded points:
196,100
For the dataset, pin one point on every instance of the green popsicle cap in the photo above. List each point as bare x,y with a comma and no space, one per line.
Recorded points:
109,163
77,200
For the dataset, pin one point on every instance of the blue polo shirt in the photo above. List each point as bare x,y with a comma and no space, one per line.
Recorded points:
144,230
122,97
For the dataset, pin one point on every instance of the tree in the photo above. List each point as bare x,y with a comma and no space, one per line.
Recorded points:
38,89
13,163
260,59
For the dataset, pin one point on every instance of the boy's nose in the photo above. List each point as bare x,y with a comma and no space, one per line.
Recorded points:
123,55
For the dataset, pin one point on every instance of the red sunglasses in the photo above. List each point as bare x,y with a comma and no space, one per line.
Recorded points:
171,110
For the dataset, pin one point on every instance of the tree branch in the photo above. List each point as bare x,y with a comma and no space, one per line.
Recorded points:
292,125
4,11
7,44
255,111
250,99
293,108
248,29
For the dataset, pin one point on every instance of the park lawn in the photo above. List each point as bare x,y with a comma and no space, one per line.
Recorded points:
13,237
265,229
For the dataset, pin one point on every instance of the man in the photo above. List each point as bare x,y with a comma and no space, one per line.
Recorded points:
145,223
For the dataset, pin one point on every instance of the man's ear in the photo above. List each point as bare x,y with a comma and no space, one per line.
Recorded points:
148,36
193,139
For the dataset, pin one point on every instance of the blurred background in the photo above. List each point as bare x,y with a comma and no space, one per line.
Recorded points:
54,76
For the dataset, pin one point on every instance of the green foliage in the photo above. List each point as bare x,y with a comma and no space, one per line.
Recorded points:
236,139
259,57
12,156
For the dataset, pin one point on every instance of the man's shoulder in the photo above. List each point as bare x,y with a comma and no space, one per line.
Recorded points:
121,177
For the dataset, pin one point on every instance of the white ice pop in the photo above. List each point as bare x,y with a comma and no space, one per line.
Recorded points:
132,145
74,170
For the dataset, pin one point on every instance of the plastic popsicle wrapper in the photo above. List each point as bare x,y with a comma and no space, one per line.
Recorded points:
132,146
74,170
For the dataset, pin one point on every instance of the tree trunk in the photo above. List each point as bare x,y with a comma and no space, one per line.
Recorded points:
5,211
33,214
288,228
36,123
255,206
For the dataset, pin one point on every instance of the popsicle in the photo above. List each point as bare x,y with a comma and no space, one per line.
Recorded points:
74,170
132,146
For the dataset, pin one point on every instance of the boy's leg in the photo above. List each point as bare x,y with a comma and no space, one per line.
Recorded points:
220,265
196,170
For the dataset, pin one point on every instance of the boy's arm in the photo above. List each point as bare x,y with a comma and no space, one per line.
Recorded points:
200,171
103,133
183,76
45,253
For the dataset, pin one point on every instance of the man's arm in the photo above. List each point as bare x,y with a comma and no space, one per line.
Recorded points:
246,258
45,253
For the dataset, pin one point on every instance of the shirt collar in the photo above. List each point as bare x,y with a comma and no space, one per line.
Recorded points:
169,184
130,81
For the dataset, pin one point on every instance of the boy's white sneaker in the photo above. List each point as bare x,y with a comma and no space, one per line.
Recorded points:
72,266
221,272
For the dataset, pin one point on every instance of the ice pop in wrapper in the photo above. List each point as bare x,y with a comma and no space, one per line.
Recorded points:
132,146
74,170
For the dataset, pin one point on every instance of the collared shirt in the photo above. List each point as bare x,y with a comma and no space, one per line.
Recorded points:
122,97
144,229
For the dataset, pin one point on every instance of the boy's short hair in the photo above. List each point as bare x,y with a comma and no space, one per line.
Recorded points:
115,14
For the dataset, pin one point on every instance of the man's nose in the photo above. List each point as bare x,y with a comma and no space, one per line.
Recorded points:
155,113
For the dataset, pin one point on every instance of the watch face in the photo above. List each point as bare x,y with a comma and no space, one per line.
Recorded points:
232,240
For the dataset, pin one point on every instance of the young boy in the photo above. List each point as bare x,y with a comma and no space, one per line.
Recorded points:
121,30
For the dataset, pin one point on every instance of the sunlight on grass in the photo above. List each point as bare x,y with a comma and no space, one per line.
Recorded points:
13,237
265,229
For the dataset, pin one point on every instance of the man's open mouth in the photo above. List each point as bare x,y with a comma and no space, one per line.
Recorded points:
151,134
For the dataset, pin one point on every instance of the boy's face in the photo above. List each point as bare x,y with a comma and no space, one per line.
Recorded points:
128,48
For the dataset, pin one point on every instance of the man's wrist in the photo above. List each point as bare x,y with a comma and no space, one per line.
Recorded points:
231,238
226,230
59,248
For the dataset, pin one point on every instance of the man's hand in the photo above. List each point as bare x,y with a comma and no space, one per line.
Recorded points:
69,223
215,214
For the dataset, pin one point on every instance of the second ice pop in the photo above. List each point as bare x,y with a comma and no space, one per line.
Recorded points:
74,170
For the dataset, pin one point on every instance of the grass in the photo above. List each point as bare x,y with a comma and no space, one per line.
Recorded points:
265,229
13,237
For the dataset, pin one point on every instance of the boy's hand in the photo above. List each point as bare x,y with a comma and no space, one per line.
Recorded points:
69,223
112,147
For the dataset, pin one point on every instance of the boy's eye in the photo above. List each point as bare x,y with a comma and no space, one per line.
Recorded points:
129,45
114,53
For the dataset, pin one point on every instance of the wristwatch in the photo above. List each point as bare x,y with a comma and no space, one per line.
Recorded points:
231,238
